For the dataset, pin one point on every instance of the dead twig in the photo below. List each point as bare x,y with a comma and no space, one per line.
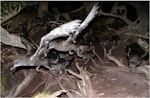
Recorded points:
76,92
54,22
97,55
105,52
73,73
132,28
112,58
68,93
76,10
110,29
124,18
134,33
96,65
143,44
130,31
145,70
35,30
12,14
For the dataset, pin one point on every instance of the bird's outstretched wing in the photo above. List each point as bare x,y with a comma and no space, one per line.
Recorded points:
74,26
66,29
88,19
71,26
85,23
63,30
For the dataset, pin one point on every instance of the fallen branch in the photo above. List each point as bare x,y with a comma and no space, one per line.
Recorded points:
10,39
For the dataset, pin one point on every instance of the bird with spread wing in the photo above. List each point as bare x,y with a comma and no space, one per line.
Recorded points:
71,28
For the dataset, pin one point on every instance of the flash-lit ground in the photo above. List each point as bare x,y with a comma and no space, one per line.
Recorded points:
104,78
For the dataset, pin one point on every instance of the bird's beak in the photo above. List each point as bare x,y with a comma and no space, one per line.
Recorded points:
12,68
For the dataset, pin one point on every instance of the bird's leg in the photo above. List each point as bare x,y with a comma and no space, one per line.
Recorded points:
43,44
46,66
37,68
35,54
79,53
74,36
86,61
51,71
46,48
144,54
57,59
71,38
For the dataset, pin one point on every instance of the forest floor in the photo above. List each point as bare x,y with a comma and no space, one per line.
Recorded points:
107,79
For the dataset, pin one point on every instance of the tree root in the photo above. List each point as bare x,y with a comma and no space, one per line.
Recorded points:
85,86
112,58
25,83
